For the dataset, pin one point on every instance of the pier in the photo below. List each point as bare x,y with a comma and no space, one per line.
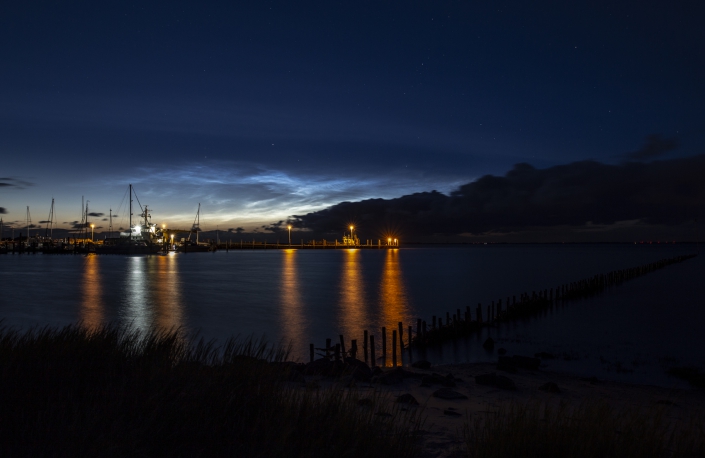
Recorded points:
346,243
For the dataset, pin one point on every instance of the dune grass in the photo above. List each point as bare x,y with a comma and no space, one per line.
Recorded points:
113,391
590,430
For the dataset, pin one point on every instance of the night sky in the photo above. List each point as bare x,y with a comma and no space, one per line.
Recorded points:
532,121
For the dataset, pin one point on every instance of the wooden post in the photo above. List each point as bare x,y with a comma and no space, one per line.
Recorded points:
353,349
327,348
337,352
401,343
364,345
423,328
342,345
409,338
394,348
418,328
372,351
433,325
310,352
384,346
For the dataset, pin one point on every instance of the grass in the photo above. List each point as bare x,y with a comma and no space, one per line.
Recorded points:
587,431
113,391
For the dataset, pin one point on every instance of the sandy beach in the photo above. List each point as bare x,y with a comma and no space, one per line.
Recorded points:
445,417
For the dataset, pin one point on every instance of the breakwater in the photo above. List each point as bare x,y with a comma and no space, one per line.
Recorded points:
469,320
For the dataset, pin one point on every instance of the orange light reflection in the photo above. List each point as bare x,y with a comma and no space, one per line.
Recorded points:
352,301
166,292
92,307
395,305
293,322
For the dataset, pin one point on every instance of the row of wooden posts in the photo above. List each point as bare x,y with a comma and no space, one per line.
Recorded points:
460,325
337,351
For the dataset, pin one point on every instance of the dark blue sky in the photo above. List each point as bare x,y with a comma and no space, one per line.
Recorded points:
263,110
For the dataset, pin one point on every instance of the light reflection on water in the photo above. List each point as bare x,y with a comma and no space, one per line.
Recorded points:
152,293
305,296
166,292
393,299
352,296
91,314
292,305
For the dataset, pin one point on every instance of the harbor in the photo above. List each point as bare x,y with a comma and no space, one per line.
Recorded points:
146,237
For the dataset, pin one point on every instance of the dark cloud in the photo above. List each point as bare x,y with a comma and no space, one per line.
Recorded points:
279,226
654,146
78,225
104,219
237,230
14,182
44,222
581,193
3,211
97,215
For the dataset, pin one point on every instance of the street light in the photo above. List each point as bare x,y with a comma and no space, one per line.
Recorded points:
351,235
172,241
92,226
289,227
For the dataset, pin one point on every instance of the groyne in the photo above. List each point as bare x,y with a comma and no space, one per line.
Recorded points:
464,322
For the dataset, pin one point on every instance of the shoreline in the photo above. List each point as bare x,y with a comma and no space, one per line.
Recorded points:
445,418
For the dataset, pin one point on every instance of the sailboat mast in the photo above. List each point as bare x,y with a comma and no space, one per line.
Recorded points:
28,224
130,211
198,223
111,223
50,220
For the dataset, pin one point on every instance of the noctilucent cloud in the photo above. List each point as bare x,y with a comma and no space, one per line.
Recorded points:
263,110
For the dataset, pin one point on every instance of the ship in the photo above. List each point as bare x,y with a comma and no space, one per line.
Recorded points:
142,238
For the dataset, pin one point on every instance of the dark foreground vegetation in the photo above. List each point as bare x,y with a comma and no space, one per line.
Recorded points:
591,430
115,392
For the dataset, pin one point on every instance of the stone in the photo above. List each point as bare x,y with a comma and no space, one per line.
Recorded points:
486,379
322,366
501,351
421,364
392,377
506,364
550,387
407,398
526,362
544,355
445,393
451,412
435,379
359,370
505,383
500,381
488,344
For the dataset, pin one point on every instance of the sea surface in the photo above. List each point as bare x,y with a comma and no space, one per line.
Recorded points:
632,332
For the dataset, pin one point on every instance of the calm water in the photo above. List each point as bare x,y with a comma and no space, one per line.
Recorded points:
301,296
